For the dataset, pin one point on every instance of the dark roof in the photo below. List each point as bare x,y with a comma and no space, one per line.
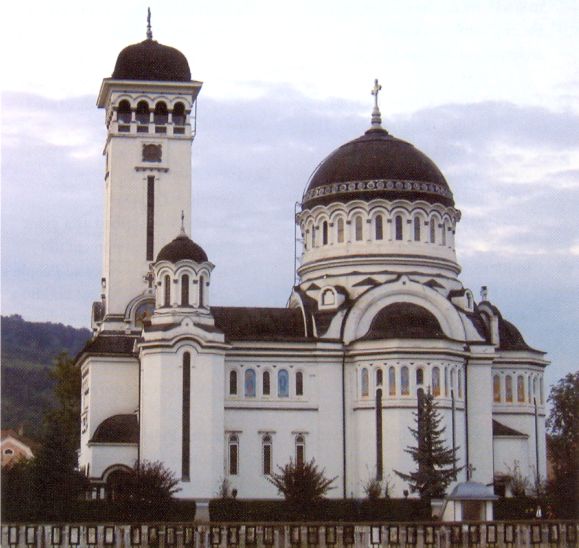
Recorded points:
404,321
376,165
117,429
182,248
499,429
151,61
110,343
510,337
367,281
240,323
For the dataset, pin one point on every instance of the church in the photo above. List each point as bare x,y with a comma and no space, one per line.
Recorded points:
378,315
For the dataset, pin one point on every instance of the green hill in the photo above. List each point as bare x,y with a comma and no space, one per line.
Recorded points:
28,350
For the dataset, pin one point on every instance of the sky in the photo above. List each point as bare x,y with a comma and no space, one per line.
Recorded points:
488,90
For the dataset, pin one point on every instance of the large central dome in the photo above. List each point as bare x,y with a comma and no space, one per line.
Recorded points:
376,165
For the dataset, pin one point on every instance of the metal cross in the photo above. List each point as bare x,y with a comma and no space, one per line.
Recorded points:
469,470
375,90
149,278
149,31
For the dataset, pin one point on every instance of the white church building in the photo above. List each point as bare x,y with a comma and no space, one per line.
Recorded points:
378,314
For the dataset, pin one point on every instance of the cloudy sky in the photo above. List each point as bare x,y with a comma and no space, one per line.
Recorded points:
489,90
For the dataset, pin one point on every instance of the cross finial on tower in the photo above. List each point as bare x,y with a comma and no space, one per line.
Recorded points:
149,31
183,223
376,116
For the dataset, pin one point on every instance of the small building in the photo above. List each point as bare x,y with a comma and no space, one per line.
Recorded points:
469,501
14,447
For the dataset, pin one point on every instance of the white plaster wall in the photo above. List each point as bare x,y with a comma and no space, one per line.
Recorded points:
507,450
103,456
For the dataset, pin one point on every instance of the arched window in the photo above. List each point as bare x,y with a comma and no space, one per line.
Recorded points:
233,455
359,229
167,301
300,450
379,377
124,112
404,381
364,382
299,383
443,232
435,381
446,382
142,114
452,384
497,388
419,376
201,291
266,454
391,381
416,229
266,383
469,300
530,390
161,115
398,227
233,383
340,230
520,389
325,233
541,390
249,383
432,231
379,227
179,115
535,391
186,418
185,290
328,297
460,383
509,388
283,384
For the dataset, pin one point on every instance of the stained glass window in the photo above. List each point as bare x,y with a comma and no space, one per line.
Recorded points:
509,388
520,389
404,381
497,388
435,381
250,383
283,384
391,381
364,381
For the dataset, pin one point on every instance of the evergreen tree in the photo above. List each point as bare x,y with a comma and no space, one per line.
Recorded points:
436,465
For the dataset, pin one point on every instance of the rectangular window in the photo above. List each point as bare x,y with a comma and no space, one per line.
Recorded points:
150,217
233,459
267,458
300,453
185,452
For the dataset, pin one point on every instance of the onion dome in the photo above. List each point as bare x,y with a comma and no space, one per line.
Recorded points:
150,60
376,165
182,248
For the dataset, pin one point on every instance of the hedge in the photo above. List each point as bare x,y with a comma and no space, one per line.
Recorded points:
234,510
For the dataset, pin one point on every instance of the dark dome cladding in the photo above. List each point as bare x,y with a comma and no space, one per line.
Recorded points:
377,165
182,248
152,61
404,321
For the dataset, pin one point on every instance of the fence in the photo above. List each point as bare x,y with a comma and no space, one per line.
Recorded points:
537,534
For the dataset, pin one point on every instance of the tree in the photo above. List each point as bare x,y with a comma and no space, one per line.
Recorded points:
302,483
563,440
151,483
436,464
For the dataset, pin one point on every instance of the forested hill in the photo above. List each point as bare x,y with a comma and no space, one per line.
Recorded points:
28,351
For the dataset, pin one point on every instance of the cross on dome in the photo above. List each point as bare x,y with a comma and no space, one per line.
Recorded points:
183,223
376,116
149,30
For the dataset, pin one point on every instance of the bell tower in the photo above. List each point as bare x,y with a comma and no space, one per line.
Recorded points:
150,106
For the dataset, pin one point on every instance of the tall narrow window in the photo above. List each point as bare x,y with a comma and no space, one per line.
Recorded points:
398,227
179,114
266,452
124,112
359,229
364,382
404,381
300,450
314,237
266,383
186,417
535,391
520,389
443,233
299,383
150,218
541,390
530,390
416,229
233,383
509,388
142,114
201,291
419,376
161,114
185,290
497,388
432,231
446,382
460,383
325,233
283,384
379,227
379,377
249,383
340,230
167,284
392,381
452,383
435,381
233,455
379,457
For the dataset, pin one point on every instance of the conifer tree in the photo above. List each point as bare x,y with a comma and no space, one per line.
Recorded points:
436,465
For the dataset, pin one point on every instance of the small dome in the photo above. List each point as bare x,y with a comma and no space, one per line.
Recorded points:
182,248
117,429
152,61
376,165
404,321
